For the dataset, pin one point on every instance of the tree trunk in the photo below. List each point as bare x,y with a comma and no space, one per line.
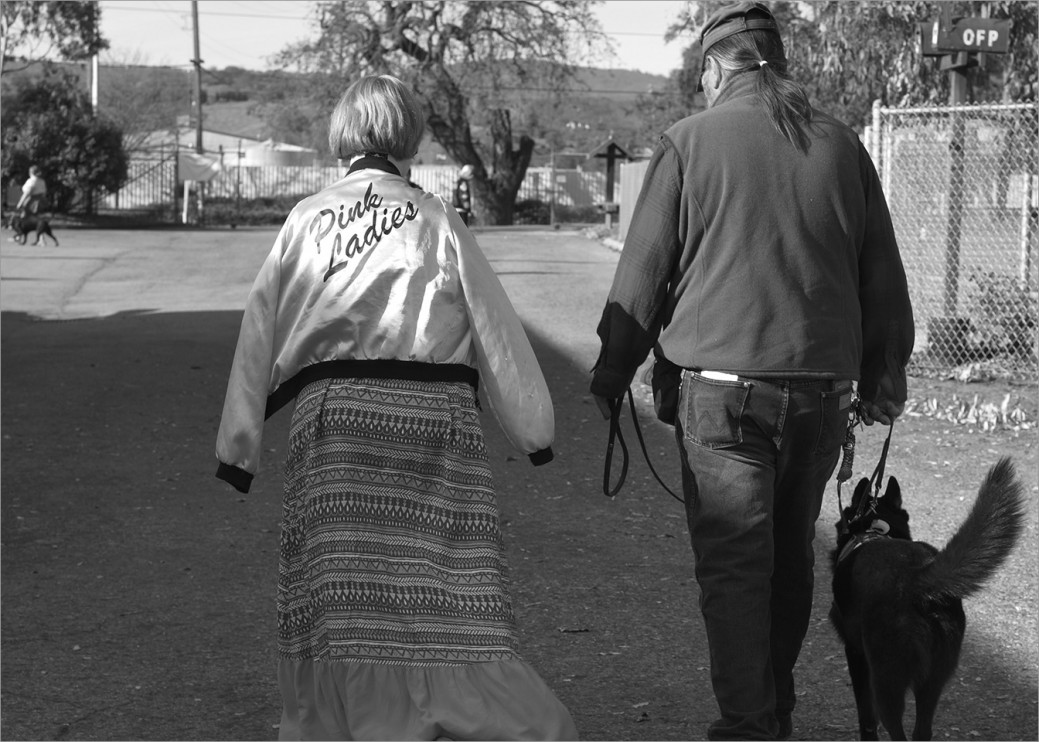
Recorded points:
495,196
494,190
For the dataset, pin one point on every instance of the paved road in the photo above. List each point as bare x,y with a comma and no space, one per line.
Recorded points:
97,273
138,591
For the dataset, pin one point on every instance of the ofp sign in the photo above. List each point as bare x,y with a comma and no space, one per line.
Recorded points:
989,35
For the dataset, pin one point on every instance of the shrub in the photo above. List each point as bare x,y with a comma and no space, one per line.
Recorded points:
531,211
251,212
534,211
1004,314
48,122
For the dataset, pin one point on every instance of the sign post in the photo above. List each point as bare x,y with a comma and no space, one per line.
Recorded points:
959,42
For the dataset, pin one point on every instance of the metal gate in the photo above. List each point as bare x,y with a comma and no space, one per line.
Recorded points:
151,188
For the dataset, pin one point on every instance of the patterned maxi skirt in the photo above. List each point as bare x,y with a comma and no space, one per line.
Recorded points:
394,614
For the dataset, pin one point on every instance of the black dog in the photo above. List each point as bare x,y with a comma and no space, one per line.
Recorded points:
898,603
23,225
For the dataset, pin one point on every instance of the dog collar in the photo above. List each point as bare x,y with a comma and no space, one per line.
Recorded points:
877,529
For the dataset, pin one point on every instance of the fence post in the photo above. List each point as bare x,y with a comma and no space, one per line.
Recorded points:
552,192
954,227
887,155
238,183
874,136
1027,228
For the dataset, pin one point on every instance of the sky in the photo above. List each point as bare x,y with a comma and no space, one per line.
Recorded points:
244,33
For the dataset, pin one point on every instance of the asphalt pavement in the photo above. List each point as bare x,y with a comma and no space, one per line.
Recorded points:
138,591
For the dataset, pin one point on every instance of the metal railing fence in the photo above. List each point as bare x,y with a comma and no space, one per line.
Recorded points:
153,183
151,186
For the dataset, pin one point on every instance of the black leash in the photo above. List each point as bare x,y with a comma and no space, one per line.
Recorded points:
616,408
847,466
878,473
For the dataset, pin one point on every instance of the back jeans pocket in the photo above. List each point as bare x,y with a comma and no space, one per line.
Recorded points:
834,408
712,411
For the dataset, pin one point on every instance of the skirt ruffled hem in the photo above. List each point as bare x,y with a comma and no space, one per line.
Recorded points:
504,700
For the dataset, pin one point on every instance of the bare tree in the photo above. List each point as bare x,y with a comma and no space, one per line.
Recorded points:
468,60
141,99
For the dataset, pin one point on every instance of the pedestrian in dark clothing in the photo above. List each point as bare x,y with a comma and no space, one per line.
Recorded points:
463,198
761,261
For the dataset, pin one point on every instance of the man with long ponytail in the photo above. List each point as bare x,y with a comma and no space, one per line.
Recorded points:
762,263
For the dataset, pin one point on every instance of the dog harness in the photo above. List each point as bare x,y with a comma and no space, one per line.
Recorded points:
878,529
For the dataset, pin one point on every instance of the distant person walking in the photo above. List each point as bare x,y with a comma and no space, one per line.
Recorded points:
34,193
463,199
377,315
761,262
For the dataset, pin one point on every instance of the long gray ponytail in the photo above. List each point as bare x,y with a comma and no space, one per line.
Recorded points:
761,53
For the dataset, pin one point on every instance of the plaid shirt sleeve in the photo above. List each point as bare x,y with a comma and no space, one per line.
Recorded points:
634,308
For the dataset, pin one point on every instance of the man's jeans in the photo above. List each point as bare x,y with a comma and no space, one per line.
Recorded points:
756,459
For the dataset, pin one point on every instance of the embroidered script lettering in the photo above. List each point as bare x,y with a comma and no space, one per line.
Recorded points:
358,241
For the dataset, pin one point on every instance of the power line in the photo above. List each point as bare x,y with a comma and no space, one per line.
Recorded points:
207,12
572,91
297,17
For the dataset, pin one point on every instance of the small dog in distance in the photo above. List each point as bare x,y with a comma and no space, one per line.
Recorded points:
23,226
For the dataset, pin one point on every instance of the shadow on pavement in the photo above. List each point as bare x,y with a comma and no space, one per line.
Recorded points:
139,590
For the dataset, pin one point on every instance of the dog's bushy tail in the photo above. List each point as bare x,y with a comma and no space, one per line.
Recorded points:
984,540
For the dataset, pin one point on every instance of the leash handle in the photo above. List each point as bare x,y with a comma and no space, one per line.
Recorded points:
616,408
645,453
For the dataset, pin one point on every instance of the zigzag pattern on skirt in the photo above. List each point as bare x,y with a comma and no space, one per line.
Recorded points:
391,547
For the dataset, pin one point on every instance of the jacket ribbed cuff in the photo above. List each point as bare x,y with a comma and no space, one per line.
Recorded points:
238,478
539,458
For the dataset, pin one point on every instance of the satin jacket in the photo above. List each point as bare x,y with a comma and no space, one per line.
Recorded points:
372,268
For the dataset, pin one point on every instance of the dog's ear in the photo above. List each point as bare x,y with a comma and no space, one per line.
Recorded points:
893,494
891,509
861,491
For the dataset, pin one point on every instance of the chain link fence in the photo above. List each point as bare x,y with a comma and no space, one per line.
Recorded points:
962,184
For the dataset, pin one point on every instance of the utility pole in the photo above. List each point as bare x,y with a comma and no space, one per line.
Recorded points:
197,61
94,69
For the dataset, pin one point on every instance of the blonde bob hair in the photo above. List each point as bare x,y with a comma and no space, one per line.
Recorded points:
377,114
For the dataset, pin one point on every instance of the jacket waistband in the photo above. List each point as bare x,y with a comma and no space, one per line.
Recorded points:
370,369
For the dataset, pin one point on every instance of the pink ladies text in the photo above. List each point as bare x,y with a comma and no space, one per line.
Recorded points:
380,226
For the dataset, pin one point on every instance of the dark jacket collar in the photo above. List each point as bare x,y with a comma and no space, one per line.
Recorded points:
373,162
738,86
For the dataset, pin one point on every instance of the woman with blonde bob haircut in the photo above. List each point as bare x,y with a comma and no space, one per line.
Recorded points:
377,316
377,114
